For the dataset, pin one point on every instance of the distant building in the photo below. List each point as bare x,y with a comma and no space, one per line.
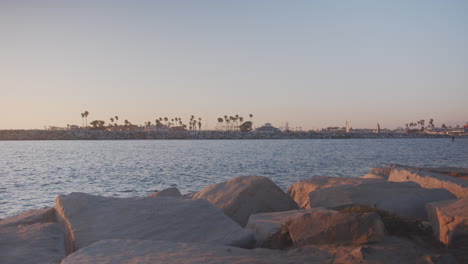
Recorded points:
158,127
267,128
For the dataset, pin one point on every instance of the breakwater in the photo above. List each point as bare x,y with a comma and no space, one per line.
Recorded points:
119,135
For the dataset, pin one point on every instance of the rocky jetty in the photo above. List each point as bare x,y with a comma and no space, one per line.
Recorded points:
251,220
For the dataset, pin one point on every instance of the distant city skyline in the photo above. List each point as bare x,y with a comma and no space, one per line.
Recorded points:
313,64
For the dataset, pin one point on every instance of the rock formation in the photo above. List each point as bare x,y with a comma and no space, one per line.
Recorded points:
241,197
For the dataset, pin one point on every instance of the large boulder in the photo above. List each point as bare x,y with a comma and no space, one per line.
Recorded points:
384,171
461,173
88,218
31,217
152,252
300,190
426,179
243,196
391,250
323,226
405,199
449,220
32,237
269,228
373,176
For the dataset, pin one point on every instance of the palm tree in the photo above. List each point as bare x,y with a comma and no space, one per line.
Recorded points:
250,115
86,113
165,120
227,122
116,119
82,118
220,121
199,125
111,120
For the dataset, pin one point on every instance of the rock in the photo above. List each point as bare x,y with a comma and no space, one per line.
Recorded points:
425,179
461,173
449,220
391,250
29,238
88,218
152,252
373,176
439,259
243,196
31,217
384,171
323,226
300,190
169,192
405,199
268,227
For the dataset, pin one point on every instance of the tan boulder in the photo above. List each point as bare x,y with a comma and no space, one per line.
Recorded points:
449,220
243,196
405,199
31,217
389,251
162,252
331,227
269,228
31,238
426,179
300,190
384,171
88,218
373,176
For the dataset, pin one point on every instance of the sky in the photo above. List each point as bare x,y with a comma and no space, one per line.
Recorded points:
312,64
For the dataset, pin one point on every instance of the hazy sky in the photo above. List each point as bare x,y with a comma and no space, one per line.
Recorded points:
312,63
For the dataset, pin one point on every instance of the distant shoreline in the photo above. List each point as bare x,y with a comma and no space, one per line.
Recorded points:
12,135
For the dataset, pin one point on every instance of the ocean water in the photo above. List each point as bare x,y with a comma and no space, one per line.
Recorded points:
33,173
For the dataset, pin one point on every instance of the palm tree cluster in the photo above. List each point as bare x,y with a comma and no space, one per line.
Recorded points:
229,123
421,124
176,123
113,121
195,123
84,116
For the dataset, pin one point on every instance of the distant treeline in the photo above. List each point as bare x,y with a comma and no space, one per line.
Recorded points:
117,135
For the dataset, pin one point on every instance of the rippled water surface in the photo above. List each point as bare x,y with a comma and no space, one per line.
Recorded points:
32,173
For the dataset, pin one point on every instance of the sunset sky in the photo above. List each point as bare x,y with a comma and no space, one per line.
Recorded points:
310,63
